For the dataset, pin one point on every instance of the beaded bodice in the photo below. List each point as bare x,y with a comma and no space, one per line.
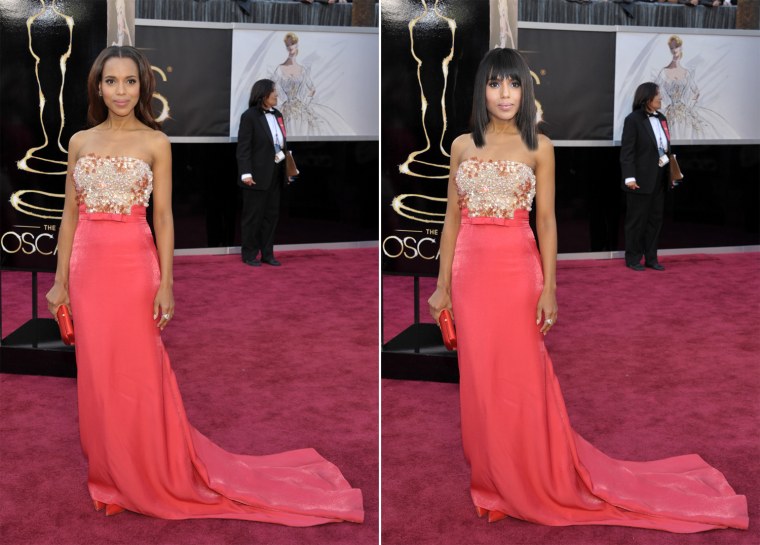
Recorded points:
495,188
112,184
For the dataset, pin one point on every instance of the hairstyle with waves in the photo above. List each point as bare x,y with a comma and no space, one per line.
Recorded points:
97,112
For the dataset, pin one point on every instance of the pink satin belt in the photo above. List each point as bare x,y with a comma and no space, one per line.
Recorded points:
520,219
137,215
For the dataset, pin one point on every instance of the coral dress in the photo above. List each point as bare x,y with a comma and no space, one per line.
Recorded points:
142,452
526,460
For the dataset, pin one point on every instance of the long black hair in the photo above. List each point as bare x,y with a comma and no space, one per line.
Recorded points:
260,90
644,93
498,64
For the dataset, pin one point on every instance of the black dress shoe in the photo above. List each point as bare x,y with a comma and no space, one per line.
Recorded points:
656,267
637,267
253,262
271,261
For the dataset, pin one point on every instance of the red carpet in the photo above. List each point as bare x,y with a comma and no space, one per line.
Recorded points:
651,365
268,359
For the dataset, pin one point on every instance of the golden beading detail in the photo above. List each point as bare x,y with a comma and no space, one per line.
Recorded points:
112,185
495,189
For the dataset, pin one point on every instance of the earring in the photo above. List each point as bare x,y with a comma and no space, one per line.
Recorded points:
100,93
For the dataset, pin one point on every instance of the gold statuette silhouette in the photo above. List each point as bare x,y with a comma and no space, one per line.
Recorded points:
431,162
50,71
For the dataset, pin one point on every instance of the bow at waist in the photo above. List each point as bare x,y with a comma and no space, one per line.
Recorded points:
520,218
137,214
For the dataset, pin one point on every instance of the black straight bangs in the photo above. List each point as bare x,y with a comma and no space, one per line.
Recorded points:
504,71
500,64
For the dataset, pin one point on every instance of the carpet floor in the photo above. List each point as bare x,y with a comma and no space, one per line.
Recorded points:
267,359
652,364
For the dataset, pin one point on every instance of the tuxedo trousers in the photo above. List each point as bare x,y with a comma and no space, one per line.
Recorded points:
643,222
261,212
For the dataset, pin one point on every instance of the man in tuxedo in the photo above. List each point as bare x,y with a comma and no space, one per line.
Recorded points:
261,169
644,163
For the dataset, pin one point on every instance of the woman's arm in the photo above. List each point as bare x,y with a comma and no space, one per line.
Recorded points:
441,298
163,224
59,293
546,225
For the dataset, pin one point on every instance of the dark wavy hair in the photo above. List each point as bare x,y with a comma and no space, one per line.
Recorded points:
260,90
644,93
96,109
504,63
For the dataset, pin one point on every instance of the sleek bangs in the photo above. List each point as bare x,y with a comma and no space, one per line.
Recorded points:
504,67
499,64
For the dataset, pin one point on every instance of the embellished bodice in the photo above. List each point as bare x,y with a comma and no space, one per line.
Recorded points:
495,188
112,184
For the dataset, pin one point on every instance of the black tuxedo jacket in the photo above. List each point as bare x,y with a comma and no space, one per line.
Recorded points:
255,149
638,151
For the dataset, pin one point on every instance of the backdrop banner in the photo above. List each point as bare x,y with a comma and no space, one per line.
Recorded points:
192,69
430,55
327,88
47,50
575,98
708,83
584,78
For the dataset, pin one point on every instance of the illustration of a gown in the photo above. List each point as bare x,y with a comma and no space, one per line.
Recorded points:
686,118
526,460
303,115
142,452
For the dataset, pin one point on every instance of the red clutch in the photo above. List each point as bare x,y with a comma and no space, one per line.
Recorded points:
65,325
448,331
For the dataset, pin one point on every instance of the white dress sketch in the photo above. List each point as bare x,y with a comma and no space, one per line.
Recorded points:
304,114
687,118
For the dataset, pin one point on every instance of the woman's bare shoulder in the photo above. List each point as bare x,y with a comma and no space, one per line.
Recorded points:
544,142
159,144
459,147
79,140
461,144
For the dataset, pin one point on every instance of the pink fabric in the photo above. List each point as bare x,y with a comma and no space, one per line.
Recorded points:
526,460
142,452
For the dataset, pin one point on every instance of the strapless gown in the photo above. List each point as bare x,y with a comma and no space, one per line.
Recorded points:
142,452
526,460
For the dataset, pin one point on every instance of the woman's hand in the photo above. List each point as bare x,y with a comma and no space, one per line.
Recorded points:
440,300
57,296
547,305
163,306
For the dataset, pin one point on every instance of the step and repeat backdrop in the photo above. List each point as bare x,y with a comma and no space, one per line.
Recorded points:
585,78
328,86
327,78
45,55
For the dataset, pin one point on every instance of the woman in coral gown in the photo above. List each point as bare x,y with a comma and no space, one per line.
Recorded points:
526,460
143,455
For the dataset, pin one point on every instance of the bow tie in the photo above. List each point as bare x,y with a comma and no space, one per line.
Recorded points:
652,115
269,112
